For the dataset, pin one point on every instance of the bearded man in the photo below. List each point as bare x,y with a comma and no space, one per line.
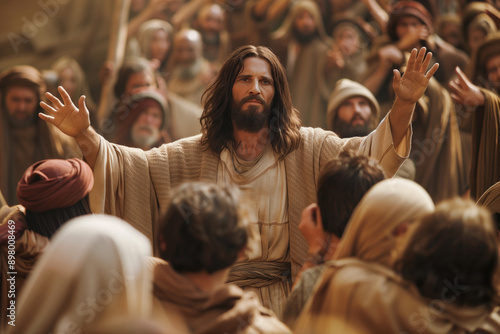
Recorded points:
251,138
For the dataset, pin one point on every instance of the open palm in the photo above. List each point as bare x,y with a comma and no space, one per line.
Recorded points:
412,85
66,116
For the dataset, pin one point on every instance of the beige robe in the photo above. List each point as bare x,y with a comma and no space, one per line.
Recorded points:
354,296
226,310
135,185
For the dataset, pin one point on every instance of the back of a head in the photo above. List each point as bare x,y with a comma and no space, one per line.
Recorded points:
202,229
54,191
453,247
341,185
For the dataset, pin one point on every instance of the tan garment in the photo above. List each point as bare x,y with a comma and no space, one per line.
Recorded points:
263,188
485,164
359,297
226,310
28,248
491,198
436,145
135,185
369,233
93,270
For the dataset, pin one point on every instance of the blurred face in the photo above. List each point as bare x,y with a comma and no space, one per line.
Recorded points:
160,45
475,37
408,24
185,52
146,129
348,41
212,23
353,118
253,93
67,79
304,23
451,34
139,80
493,70
21,104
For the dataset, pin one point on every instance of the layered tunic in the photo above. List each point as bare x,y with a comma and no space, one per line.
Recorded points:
135,185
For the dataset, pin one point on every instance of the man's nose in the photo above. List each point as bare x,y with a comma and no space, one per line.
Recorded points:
255,88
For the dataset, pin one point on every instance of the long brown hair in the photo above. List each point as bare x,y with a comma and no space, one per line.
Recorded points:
216,124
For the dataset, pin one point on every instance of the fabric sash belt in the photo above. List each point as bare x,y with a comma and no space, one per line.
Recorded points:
259,274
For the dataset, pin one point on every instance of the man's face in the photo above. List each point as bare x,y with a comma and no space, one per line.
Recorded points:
139,80
354,117
304,23
348,40
185,52
211,23
146,129
21,104
493,71
67,79
253,93
160,45
408,24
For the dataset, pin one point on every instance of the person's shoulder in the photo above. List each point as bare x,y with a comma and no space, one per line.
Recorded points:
308,133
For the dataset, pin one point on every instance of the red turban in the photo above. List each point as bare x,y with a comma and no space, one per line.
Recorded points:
53,183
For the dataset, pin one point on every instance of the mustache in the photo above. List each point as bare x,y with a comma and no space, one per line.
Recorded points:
252,97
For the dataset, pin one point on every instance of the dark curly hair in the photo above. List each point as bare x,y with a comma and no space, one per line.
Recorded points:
216,123
453,254
202,229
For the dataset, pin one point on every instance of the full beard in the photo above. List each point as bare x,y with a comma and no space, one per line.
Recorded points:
251,119
348,131
302,38
139,139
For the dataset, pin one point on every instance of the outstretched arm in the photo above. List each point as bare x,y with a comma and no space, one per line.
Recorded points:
408,89
73,121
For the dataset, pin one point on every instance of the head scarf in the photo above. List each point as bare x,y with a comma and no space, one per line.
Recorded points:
477,66
99,258
145,36
25,76
54,183
408,8
369,233
345,89
491,198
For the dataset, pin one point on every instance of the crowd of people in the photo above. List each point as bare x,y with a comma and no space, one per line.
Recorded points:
287,166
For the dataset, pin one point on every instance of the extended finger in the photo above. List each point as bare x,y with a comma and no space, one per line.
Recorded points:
433,70
411,60
426,63
65,96
463,80
46,118
456,89
420,59
55,101
48,108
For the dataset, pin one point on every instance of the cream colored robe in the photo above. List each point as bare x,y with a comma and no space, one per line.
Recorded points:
135,185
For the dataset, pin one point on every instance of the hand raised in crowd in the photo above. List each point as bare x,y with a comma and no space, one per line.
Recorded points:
66,116
464,92
412,85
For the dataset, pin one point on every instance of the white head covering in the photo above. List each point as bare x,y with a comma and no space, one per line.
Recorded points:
369,233
93,269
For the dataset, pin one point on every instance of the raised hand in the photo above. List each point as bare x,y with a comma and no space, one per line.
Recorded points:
66,116
412,85
464,92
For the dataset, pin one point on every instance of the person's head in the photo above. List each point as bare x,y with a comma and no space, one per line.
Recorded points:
352,109
349,37
139,119
252,81
342,183
485,63
202,230
94,269
408,16
53,191
211,22
135,74
477,31
156,38
21,90
490,200
449,28
377,229
453,247
188,48
303,23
